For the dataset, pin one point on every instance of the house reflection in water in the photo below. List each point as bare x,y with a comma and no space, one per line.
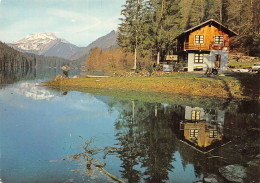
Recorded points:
203,129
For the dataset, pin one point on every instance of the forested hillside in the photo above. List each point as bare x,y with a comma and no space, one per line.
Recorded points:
11,59
148,27
46,62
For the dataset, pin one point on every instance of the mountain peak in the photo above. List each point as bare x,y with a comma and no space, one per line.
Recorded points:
44,35
38,36
46,44
104,42
35,41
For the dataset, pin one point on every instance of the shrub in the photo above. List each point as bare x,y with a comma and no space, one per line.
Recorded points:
149,69
158,68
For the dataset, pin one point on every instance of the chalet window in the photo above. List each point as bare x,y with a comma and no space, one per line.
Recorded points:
195,115
213,133
199,39
194,133
198,58
213,114
219,40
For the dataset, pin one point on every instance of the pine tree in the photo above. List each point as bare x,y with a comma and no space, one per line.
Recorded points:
195,14
164,24
130,30
219,11
185,8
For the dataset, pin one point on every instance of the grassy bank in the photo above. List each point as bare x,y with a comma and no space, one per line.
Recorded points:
241,62
190,84
147,97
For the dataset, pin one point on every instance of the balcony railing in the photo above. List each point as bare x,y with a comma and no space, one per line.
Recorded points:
189,46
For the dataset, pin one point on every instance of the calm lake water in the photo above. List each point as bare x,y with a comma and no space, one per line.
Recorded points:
70,136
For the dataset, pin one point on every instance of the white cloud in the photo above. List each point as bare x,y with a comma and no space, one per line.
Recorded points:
84,22
19,29
78,25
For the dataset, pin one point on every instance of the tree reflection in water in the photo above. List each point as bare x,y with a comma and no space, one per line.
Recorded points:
10,76
147,140
149,136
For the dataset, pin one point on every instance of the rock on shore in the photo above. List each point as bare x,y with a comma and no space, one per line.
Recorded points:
233,173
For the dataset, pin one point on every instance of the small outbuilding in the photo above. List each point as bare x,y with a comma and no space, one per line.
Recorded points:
205,46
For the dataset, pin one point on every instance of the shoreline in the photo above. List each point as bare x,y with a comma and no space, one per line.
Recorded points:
188,84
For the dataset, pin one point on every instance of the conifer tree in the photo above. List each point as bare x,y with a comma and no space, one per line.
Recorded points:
131,26
164,24
185,9
219,11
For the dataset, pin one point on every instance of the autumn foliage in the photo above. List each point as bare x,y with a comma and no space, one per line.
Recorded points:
114,59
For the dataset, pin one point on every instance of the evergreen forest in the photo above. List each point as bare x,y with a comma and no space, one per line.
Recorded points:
147,30
148,27
13,59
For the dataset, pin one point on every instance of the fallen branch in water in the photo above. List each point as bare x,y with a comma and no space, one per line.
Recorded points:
100,166
89,152
216,157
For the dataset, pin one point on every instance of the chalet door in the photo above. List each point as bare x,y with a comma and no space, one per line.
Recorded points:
217,61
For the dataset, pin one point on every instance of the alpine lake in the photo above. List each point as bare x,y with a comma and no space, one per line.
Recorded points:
49,135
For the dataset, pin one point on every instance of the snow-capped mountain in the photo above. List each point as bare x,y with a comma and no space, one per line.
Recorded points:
35,41
46,44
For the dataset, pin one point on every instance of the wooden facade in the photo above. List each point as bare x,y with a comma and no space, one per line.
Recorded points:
206,45
209,35
203,129
202,134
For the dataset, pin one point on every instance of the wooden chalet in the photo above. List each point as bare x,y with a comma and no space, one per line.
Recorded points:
205,46
203,129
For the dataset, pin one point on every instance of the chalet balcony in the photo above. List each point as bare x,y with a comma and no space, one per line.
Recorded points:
204,47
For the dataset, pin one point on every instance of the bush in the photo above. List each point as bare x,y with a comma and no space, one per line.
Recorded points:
177,67
158,68
149,69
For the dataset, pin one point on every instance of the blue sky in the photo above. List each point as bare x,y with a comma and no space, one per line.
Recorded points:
78,21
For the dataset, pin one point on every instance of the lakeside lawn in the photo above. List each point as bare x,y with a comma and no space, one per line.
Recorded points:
231,85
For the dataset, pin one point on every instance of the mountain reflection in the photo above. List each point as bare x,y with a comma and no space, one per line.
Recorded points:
33,90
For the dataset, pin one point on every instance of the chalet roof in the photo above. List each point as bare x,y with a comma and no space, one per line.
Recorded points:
229,31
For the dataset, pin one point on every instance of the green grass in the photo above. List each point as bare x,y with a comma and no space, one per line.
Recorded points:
149,97
247,65
242,85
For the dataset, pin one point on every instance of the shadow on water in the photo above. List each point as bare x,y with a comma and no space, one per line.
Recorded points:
11,76
150,135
